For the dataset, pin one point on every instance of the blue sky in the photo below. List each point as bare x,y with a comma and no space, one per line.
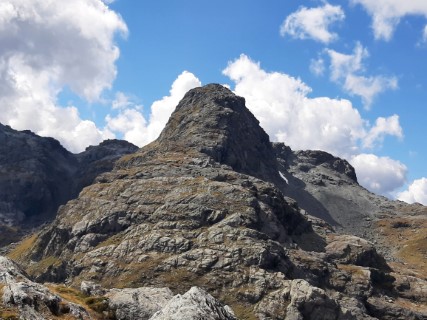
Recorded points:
348,77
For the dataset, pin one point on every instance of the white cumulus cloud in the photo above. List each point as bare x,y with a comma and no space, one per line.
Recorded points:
386,14
47,45
383,127
349,71
417,192
379,174
281,104
313,23
122,101
130,121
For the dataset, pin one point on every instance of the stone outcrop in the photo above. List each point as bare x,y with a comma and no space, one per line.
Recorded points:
138,303
193,305
29,300
24,299
299,300
217,123
348,249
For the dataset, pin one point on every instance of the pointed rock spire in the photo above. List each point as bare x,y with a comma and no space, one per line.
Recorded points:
215,121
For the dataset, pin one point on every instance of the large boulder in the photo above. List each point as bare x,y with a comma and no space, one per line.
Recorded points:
30,300
347,249
137,303
195,304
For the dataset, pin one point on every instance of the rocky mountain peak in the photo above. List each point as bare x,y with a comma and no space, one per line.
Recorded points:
215,121
182,229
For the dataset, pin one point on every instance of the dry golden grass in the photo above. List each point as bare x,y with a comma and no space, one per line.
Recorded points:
42,265
408,236
411,305
180,280
21,251
7,313
96,306
241,310
354,271
113,240
68,293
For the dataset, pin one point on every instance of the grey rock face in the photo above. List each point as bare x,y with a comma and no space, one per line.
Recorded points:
326,187
354,250
37,175
193,305
138,303
99,159
216,122
298,300
32,300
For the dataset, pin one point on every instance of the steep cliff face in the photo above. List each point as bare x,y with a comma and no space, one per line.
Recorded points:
214,121
99,159
198,207
37,175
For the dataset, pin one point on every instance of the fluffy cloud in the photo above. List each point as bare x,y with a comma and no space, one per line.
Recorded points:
348,69
49,45
417,192
386,14
280,103
122,101
317,66
313,23
379,174
425,34
383,127
131,123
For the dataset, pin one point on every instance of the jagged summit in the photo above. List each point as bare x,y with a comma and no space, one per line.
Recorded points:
215,121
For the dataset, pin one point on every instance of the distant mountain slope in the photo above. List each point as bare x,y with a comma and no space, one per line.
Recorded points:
326,187
37,175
